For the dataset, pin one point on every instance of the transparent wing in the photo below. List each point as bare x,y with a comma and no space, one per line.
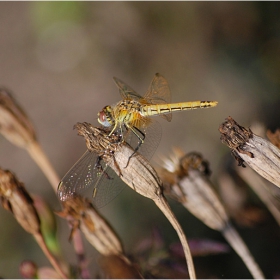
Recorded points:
126,91
81,176
84,178
152,139
159,93
108,187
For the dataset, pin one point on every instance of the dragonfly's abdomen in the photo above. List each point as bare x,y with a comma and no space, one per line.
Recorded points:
158,109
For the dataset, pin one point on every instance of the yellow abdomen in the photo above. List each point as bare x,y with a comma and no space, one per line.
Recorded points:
158,109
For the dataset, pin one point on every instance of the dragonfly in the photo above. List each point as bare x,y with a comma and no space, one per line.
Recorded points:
133,112
92,169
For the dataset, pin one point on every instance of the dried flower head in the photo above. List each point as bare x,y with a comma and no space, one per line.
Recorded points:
258,153
189,185
14,123
15,198
194,190
81,213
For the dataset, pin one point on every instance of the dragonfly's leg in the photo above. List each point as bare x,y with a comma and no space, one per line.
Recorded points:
100,172
114,128
134,129
118,167
98,166
100,169
141,140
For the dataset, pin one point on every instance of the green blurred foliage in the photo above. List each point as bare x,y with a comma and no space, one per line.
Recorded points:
46,13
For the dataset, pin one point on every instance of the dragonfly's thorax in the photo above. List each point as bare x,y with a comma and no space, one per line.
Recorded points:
106,117
127,111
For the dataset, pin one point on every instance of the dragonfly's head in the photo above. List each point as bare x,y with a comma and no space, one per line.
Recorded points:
105,117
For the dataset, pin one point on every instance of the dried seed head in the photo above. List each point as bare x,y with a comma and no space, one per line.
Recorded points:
178,165
97,231
14,123
258,153
234,135
201,200
195,161
97,139
95,228
191,187
138,174
14,197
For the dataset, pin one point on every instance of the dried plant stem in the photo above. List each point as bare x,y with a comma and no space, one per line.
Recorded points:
163,205
40,240
40,158
241,249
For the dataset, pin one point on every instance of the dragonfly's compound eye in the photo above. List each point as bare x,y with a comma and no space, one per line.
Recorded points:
104,118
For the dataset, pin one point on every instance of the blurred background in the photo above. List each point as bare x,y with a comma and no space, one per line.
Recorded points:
59,58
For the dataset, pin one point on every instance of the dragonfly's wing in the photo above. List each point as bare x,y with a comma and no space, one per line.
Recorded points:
85,179
152,139
81,176
108,186
126,91
159,93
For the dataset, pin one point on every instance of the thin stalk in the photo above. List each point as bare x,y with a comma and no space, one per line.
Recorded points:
234,239
166,210
40,240
40,158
